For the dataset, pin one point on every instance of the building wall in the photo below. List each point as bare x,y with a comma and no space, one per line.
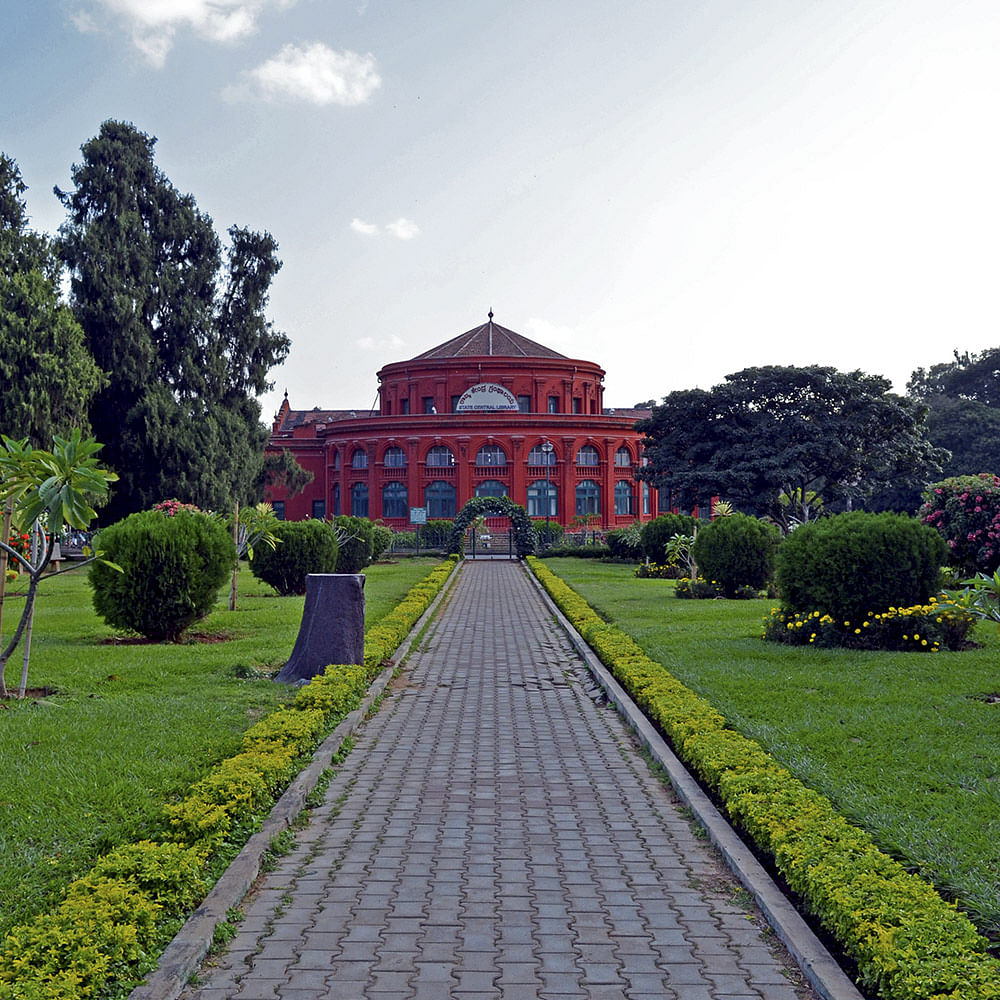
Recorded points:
419,459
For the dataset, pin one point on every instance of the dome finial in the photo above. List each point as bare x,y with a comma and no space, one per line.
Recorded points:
490,314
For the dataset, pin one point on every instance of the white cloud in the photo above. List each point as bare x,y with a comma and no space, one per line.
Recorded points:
84,22
313,73
403,229
153,24
381,344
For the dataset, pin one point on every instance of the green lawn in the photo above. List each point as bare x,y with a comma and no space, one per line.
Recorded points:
906,745
131,725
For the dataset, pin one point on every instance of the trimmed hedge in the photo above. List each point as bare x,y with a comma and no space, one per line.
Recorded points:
303,547
114,921
851,564
172,566
736,552
908,943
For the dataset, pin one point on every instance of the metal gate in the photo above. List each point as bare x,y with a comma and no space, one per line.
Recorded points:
489,538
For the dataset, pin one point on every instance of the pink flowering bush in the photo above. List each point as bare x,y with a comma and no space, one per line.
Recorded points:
966,512
171,507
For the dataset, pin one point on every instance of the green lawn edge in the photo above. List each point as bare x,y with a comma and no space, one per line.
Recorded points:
907,942
115,920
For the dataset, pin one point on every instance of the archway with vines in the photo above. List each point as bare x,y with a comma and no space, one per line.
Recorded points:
520,523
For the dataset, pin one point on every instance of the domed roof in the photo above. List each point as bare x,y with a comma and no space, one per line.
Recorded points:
489,340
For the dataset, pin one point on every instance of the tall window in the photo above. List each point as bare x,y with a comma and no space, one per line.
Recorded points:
644,488
623,458
359,459
439,499
588,498
491,488
429,407
491,454
542,499
279,509
587,455
336,499
404,405
359,500
624,498
319,510
524,404
553,404
394,500
336,458
539,456
440,456
394,458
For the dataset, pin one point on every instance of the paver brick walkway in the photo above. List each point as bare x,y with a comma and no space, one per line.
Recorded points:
496,833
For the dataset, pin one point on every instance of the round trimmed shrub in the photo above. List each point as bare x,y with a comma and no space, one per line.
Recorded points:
625,543
659,531
355,537
172,569
851,564
382,539
736,552
303,547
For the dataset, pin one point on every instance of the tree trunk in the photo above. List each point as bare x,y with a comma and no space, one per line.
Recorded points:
236,565
8,514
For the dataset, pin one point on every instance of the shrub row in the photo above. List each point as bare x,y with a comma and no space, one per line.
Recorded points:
907,942
115,920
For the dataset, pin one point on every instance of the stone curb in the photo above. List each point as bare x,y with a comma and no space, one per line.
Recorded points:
181,958
816,962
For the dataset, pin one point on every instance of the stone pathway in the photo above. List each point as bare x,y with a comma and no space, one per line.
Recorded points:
496,833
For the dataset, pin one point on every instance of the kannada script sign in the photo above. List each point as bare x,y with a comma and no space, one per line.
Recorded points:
486,397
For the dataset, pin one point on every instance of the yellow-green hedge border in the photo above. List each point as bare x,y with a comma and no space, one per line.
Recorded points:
908,943
114,920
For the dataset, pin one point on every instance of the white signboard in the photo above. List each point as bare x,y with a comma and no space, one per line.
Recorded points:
418,515
487,397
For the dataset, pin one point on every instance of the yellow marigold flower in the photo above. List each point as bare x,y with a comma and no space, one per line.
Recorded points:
915,635
857,631
923,642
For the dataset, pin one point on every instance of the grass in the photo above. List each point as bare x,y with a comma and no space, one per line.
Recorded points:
904,744
132,725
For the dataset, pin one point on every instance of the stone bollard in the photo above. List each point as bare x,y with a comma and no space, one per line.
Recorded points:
333,626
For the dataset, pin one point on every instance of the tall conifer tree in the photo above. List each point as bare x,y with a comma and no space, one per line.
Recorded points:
181,332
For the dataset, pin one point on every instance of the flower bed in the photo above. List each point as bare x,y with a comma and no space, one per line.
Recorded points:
114,921
924,628
907,942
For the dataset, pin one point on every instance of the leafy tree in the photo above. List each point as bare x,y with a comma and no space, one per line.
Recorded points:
57,487
963,400
798,431
282,470
47,376
181,333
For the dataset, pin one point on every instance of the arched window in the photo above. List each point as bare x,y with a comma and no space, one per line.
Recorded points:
336,458
394,458
624,498
491,488
540,456
587,455
491,454
623,458
542,499
359,459
588,498
394,500
439,499
439,457
359,500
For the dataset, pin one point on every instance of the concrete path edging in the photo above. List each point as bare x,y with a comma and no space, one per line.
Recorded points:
181,958
816,962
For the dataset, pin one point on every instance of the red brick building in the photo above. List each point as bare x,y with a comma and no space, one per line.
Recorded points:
488,413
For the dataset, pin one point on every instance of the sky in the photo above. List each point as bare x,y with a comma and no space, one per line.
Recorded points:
675,189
